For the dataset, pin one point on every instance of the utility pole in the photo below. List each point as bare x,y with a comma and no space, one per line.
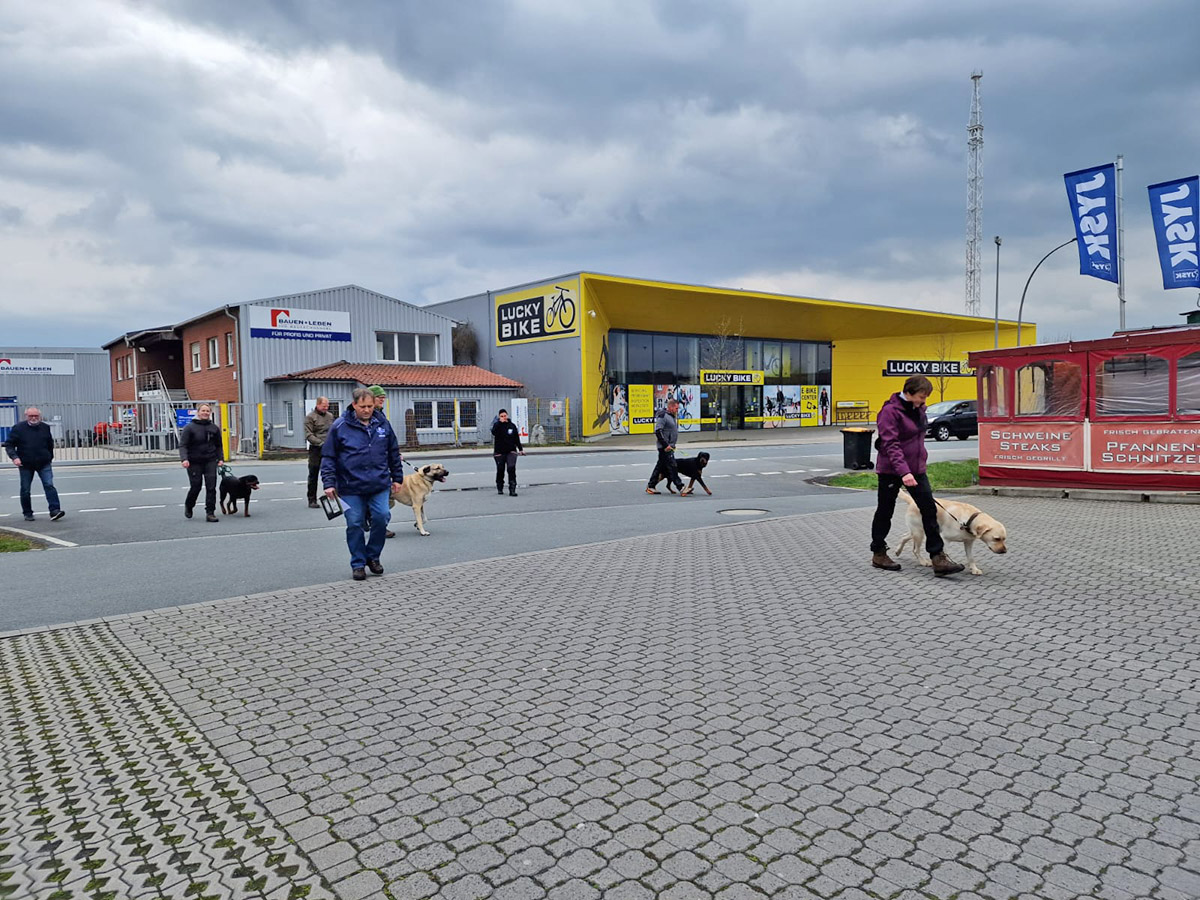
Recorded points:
974,197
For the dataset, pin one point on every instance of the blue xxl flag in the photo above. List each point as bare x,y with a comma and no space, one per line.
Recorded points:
1173,206
1093,197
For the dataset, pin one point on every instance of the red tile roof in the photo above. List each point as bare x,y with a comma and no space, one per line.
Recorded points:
389,375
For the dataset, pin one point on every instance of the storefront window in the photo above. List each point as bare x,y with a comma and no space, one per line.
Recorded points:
1050,387
641,359
617,365
993,397
1187,386
791,362
808,363
1136,384
664,358
687,365
754,357
824,364
773,362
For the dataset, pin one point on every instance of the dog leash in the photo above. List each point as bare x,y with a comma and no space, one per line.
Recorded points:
965,526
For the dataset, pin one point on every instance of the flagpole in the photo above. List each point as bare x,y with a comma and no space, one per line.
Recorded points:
1120,240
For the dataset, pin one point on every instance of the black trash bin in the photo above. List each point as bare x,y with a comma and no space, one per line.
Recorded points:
856,448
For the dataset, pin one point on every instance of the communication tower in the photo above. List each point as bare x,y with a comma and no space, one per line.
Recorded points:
974,196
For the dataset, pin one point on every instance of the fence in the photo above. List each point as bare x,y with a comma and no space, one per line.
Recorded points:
141,430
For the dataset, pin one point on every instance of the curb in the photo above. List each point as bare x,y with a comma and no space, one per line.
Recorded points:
1113,496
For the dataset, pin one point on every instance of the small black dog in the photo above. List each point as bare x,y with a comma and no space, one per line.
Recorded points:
691,467
234,489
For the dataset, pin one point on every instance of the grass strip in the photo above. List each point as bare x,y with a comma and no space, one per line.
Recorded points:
943,476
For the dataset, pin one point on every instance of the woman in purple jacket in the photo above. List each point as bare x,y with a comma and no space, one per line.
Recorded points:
901,462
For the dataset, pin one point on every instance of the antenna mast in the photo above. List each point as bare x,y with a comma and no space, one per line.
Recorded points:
974,196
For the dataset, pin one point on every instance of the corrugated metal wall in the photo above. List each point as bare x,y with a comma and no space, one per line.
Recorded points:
263,358
89,384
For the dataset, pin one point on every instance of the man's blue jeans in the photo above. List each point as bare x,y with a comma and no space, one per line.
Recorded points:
363,548
46,473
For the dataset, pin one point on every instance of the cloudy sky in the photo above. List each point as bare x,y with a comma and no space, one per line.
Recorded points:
160,159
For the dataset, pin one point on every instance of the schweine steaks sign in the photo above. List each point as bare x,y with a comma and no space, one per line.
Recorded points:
935,367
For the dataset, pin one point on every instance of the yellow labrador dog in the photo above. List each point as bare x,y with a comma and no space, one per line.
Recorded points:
957,521
415,490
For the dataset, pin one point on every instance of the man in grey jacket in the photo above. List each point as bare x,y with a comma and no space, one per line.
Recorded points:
316,427
666,434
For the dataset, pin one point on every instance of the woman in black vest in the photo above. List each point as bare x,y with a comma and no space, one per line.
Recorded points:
200,451
505,449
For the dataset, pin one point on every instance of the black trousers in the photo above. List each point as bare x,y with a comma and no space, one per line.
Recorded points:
506,461
889,488
666,468
198,472
314,470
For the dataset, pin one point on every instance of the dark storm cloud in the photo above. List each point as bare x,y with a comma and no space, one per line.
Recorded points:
427,149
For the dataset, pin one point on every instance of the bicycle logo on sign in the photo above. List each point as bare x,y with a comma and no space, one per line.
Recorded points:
561,310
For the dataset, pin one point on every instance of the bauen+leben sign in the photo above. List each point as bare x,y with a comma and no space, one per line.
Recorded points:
285,323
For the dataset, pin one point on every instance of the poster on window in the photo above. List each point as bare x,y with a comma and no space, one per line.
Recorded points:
824,403
810,404
781,406
641,409
688,396
1126,447
618,410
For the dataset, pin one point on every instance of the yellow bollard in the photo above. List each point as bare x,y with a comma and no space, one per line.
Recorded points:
225,430
260,441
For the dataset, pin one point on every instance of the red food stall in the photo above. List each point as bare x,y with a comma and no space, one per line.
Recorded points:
1119,413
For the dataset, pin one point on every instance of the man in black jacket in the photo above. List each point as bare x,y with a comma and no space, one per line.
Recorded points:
505,447
200,449
30,446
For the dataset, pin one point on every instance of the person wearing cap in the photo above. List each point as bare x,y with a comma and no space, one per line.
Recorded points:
379,398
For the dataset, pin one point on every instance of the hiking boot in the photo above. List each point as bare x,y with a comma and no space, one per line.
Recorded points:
359,574
500,490
512,490
944,565
187,513
211,518
388,534
313,504
881,560
375,566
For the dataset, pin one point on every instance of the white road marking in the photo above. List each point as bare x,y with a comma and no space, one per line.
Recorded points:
157,489
281,499
796,471
618,465
820,470
120,491
720,476
578,482
744,475
297,482
770,473
633,479
42,537
161,506
608,481
101,509
265,483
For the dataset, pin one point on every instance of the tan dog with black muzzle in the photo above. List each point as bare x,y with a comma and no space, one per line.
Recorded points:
415,489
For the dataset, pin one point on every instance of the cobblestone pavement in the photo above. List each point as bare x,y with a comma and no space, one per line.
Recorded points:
735,712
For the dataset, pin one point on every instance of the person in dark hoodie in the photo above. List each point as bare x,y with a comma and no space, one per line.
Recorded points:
666,436
200,450
360,464
901,425
506,445
30,445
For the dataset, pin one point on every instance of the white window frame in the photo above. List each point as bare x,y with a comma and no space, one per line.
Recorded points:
415,338
229,348
195,350
441,405
289,416
214,353
120,365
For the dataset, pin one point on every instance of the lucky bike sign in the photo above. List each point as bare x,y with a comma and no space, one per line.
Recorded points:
543,313
727,377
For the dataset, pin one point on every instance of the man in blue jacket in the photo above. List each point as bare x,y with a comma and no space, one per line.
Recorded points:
30,446
360,464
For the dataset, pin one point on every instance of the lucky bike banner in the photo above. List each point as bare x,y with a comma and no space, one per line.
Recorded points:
1093,197
1173,207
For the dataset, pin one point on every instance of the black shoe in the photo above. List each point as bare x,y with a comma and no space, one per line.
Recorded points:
211,518
313,504
500,489
29,518
512,491
187,513
56,515
375,566
359,574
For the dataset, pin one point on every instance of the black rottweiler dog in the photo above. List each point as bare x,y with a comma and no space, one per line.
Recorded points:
234,489
692,468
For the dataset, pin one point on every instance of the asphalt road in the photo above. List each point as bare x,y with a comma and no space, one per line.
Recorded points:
131,549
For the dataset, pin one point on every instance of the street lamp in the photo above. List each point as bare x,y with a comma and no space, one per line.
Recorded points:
1021,308
997,239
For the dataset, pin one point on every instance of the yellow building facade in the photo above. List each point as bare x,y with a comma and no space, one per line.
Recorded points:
787,360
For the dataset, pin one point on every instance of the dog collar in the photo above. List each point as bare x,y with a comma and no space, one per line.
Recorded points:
966,526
